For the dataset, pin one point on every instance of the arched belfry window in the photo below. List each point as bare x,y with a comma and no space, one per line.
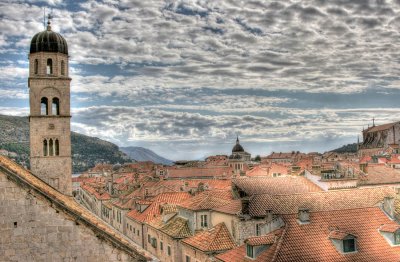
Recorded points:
55,106
51,149
62,67
49,68
36,66
44,110
56,148
45,149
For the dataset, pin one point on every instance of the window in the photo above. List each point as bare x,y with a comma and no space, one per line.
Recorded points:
169,250
43,106
349,245
249,251
49,68
51,153
397,237
45,153
187,258
203,222
62,67
161,245
56,148
258,229
36,66
138,232
148,238
55,107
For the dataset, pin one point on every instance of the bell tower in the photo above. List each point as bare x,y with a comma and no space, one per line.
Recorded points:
50,116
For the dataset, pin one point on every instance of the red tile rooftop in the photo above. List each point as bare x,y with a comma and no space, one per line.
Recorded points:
238,254
275,185
391,228
319,201
154,210
215,239
311,242
338,234
380,174
208,200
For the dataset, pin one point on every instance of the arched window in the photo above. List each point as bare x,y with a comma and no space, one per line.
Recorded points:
51,149
55,108
56,148
49,68
45,151
36,66
44,110
62,67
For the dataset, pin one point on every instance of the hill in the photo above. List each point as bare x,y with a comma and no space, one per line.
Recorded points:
349,148
144,154
86,150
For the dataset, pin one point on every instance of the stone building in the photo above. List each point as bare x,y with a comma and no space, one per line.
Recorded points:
377,139
39,219
239,158
50,116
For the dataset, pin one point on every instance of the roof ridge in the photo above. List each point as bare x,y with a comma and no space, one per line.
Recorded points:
216,233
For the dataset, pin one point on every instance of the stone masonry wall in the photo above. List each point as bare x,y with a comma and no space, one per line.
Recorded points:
32,230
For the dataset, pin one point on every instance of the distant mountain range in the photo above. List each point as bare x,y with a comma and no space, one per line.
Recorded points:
86,151
144,154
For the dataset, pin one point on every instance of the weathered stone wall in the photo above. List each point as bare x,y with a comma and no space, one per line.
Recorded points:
193,254
32,230
162,254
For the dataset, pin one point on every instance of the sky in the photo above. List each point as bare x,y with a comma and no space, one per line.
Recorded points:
184,78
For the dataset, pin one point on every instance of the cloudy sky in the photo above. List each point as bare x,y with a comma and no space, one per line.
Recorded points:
183,78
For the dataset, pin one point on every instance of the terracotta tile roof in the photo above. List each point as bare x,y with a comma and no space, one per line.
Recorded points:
267,170
124,203
153,211
268,239
380,174
275,185
310,242
208,200
71,207
391,228
233,207
339,234
198,172
319,201
99,193
215,239
177,227
238,254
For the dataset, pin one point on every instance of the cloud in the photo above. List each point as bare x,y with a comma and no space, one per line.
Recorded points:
190,71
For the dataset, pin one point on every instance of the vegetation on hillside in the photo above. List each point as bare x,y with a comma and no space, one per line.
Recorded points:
86,150
349,148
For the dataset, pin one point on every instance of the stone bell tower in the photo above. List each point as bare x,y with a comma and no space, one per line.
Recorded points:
50,116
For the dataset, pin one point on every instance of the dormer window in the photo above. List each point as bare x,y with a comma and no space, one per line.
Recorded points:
344,242
349,245
249,251
391,232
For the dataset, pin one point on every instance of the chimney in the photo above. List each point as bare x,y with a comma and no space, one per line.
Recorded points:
388,206
304,215
245,206
268,215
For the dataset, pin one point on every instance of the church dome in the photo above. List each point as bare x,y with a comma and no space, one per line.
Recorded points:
48,41
237,148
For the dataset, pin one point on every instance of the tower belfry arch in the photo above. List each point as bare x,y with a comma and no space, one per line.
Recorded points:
50,116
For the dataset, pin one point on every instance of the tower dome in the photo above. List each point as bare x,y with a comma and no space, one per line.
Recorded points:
237,147
48,41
